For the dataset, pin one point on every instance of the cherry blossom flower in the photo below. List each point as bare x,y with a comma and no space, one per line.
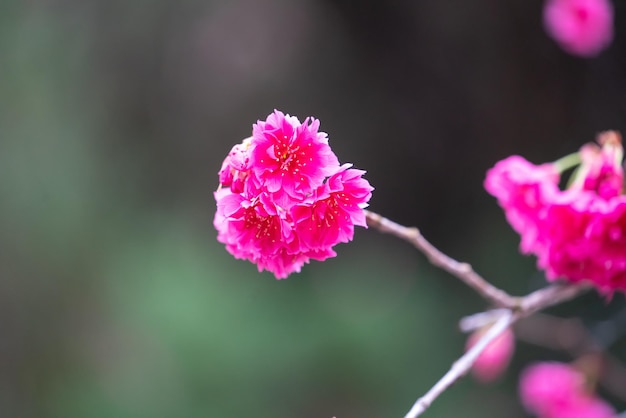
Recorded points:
557,390
284,199
580,27
587,241
290,158
586,224
601,169
338,207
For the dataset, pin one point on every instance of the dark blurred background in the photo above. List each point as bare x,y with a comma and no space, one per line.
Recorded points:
117,301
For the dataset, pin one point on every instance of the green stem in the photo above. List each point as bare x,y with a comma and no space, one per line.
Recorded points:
567,162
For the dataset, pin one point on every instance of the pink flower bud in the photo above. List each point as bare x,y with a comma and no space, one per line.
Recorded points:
494,360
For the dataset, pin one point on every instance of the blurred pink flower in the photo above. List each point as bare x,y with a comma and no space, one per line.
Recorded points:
494,360
587,241
580,27
586,224
284,199
584,407
544,385
557,390
524,191
603,171
577,234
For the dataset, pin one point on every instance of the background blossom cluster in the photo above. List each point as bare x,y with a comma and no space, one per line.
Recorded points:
557,390
580,27
284,198
578,233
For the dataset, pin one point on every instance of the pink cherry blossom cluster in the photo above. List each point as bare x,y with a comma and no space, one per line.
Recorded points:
577,234
284,198
580,27
557,390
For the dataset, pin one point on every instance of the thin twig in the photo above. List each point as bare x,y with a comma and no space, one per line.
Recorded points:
527,305
479,320
463,364
463,271
550,296
514,307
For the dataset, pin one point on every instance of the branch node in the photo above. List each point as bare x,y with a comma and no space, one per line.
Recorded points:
465,268
500,319
414,232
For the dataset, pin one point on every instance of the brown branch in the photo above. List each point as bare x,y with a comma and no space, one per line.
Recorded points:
526,306
463,364
480,320
463,271
501,319
550,296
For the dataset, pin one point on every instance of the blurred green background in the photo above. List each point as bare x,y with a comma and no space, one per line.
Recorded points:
117,301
